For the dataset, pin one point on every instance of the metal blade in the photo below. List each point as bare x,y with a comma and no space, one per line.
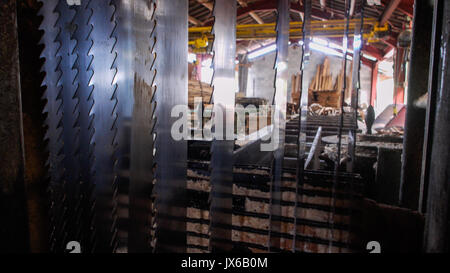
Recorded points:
53,121
138,85
356,81
278,135
69,108
341,123
303,114
103,53
84,121
222,146
171,155
358,43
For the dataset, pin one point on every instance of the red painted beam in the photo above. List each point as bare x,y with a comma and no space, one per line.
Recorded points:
374,52
391,41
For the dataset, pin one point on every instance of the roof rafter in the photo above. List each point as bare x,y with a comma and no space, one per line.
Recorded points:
206,4
389,10
194,21
405,6
251,13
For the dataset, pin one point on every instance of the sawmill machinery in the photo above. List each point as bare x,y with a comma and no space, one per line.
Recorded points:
119,182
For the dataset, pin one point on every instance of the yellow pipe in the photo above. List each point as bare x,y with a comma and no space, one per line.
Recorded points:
368,21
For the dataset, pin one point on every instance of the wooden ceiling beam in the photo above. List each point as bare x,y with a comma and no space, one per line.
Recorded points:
251,13
206,4
194,21
388,11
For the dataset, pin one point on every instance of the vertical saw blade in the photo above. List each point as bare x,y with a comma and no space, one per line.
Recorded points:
302,119
171,155
223,142
53,119
69,107
84,120
279,119
103,81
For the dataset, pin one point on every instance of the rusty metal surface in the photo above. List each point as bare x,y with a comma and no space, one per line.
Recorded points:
14,228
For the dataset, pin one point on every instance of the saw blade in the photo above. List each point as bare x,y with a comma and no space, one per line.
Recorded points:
53,120
222,146
85,202
103,53
357,49
279,119
69,107
171,155
302,119
135,63
340,129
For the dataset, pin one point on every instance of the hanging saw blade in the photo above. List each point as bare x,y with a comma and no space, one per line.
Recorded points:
103,53
135,91
58,206
302,119
279,121
357,49
171,155
69,106
358,43
222,146
86,199
340,129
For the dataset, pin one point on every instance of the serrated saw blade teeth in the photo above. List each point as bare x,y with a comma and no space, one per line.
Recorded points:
303,103
53,117
98,91
278,133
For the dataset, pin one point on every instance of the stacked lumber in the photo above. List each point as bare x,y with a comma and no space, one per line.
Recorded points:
251,210
326,99
295,87
204,90
340,83
323,80
322,89
198,89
